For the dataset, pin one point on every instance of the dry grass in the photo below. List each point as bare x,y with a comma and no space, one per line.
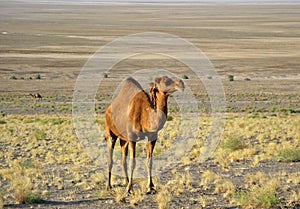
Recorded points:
1,200
120,195
137,197
61,147
261,191
163,198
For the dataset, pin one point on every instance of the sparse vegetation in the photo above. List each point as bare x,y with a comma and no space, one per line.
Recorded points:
289,155
184,77
40,135
38,76
233,143
13,77
257,162
1,200
257,197
163,198
230,77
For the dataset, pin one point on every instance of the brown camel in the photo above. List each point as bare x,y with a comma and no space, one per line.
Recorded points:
36,95
134,115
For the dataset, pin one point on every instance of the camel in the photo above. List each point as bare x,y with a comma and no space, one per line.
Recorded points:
133,116
36,95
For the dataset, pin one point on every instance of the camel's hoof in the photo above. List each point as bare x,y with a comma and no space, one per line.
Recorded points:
108,187
151,191
129,190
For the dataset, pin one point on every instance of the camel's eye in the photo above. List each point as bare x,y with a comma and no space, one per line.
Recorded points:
169,82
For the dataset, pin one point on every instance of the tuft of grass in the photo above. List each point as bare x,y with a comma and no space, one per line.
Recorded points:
2,122
13,77
230,77
38,76
40,135
233,143
98,179
226,187
289,155
33,198
184,77
208,178
137,197
293,198
163,198
120,195
257,197
23,192
27,164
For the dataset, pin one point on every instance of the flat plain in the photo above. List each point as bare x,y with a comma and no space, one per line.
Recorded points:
44,47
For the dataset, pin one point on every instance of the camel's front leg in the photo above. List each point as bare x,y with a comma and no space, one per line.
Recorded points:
132,145
150,148
111,141
124,147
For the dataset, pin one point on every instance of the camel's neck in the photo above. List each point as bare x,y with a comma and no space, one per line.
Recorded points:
158,115
162,103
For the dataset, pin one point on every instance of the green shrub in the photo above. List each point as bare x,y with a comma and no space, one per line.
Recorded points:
2,122
169,118
13,77
40,135
184,77
230,77
38,76
27,164
257,197
32,198
233,143
289,155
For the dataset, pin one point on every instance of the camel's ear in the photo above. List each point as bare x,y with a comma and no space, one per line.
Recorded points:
157,80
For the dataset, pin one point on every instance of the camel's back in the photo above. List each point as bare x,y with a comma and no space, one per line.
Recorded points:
120,105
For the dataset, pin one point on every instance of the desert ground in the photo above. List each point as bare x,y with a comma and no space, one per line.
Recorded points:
45,46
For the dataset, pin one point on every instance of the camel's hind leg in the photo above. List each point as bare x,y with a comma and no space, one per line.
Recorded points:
124,147
111,141
150,147
132,146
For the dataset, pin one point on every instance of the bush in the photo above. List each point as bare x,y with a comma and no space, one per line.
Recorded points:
38,76
105,75
13,77
257,197
40,135
184,77
230,77
289,155
233,143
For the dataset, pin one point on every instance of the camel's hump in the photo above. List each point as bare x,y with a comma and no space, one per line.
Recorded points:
129,89
121,103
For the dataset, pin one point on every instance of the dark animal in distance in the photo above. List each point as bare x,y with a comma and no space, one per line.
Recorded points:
36,95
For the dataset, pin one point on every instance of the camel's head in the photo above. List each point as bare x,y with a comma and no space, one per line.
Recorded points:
166,85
